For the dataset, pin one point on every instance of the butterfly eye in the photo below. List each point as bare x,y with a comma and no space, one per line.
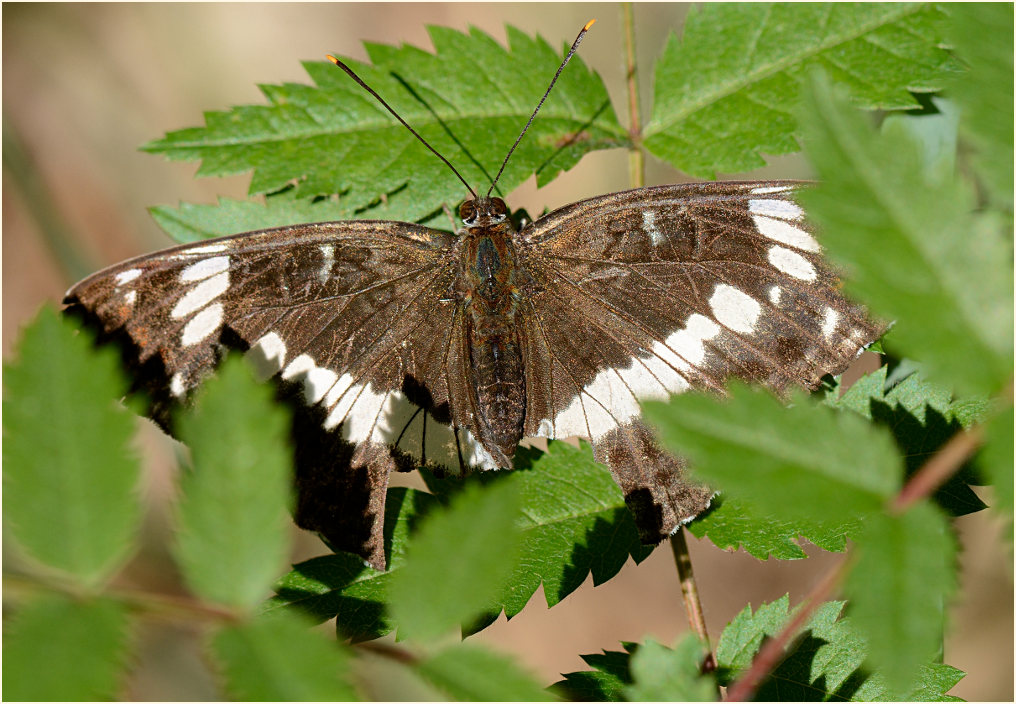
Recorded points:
468,213
498,210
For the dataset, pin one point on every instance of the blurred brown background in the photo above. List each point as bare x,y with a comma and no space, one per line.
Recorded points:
85,85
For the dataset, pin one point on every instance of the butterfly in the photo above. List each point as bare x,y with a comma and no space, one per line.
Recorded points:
414,347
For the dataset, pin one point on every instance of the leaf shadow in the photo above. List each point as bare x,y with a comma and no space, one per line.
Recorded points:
611,673
357,618
918,440
790,680
444,126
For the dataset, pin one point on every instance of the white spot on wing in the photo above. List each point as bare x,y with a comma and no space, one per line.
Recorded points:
829,322
396,412
125,277
571,421
782,231
774,295
649,226
735,308
362,415
344,383
268,355
208,249
176,385
338,413
770,189
641,381
663,365
387,418
611,398
130,297
688,342
201,295
202,325
776,208
791,263
357,410
328,256
317,382
205,268
610,402
300,365
474,453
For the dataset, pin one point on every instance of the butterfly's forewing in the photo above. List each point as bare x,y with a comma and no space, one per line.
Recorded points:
644,293
357,315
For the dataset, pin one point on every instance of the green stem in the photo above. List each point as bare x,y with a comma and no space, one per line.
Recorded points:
636,160
690,594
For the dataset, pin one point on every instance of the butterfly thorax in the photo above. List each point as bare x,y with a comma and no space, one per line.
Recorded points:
489,286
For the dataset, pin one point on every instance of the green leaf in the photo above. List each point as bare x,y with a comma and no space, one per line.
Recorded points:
922,417
70,477
56,649
800,461
574,522
611,673
936,131
910,246
899,588
334,138
663,674
457,563
470,673
825,661
344,587
742,638
731,524
279,658
232,515
729,90
980,35
190,223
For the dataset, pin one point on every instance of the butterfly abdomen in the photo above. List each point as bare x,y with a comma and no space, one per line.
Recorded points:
490,294
497,371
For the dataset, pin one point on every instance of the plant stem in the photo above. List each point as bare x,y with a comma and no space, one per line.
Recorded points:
772,651
689,591
637,179
155,605
942,465
636,160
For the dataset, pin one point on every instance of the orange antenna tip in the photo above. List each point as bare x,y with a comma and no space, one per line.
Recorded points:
332,59
589,24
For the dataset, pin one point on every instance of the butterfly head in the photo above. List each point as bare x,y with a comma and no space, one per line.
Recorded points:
483,212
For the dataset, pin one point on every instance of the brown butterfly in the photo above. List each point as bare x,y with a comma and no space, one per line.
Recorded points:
414,347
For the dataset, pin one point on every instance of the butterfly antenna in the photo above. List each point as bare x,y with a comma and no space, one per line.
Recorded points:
404,123
574,46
